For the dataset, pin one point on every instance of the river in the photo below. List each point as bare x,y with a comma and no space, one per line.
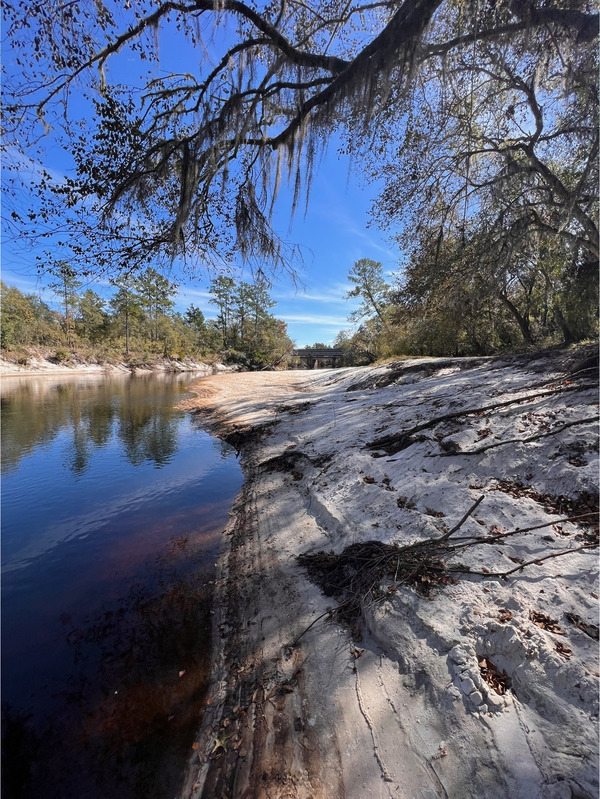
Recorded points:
113,506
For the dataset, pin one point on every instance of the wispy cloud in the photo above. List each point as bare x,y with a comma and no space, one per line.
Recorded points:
185,293
24,284
341,218
316,319
334,293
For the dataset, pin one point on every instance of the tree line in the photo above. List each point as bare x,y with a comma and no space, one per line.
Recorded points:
139,320
428,309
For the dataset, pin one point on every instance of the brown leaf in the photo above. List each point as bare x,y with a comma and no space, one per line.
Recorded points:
500,682
563,650
546,623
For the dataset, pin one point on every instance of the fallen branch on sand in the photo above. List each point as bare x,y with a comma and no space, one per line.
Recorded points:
396,442
536,437
505,574
356,574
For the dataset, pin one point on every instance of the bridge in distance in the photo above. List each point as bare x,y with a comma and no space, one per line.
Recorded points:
319,357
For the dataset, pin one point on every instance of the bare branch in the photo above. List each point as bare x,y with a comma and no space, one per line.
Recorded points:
504,575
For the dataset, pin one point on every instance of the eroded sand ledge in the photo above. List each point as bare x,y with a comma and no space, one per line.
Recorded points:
395,703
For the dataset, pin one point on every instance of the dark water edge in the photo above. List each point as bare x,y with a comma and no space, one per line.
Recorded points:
130,741
136,630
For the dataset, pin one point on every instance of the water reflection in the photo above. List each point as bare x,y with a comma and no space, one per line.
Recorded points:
113,508
130,706
92,410
146,437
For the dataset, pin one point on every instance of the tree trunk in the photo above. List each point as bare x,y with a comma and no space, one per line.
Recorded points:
522,321
126,331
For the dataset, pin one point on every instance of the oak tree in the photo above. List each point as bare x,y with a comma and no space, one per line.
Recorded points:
188,163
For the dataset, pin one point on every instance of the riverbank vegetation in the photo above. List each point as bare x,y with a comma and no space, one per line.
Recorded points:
431,308
137,324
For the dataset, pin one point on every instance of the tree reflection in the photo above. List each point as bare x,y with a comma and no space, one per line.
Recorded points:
147,437
81,451
224,449
135,412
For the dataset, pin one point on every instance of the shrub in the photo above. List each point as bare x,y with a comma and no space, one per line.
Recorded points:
60,355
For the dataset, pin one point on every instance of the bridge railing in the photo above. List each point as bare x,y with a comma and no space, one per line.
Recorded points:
318,354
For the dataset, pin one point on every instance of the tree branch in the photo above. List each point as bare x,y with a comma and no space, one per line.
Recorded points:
399,441
555,431
506,574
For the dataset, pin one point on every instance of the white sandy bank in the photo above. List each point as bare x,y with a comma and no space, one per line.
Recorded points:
452,680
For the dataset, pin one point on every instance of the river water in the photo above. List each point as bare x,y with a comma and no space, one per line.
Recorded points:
113,506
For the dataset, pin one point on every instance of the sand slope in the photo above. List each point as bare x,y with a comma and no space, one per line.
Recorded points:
443,678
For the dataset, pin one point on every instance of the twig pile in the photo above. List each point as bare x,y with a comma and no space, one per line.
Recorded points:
358,571
373,570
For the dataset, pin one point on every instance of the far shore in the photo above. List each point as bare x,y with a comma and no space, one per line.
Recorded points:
38,366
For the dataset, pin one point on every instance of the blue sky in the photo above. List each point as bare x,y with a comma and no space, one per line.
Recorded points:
333,235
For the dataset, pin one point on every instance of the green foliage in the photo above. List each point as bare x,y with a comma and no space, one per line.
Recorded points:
17,315
26,320
457,297
354,347
92,321
222,295
493,183
61,355
249,334
126,305
371,287
65,287
139,322
155,294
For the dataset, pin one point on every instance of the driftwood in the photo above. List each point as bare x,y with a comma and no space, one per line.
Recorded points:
396,442
503,575
536,437
373,570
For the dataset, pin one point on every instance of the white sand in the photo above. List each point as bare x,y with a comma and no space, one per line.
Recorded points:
39,365
396,704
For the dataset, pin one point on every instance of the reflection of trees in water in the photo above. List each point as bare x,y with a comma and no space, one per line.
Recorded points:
138,410
26,425
147,436
140,671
